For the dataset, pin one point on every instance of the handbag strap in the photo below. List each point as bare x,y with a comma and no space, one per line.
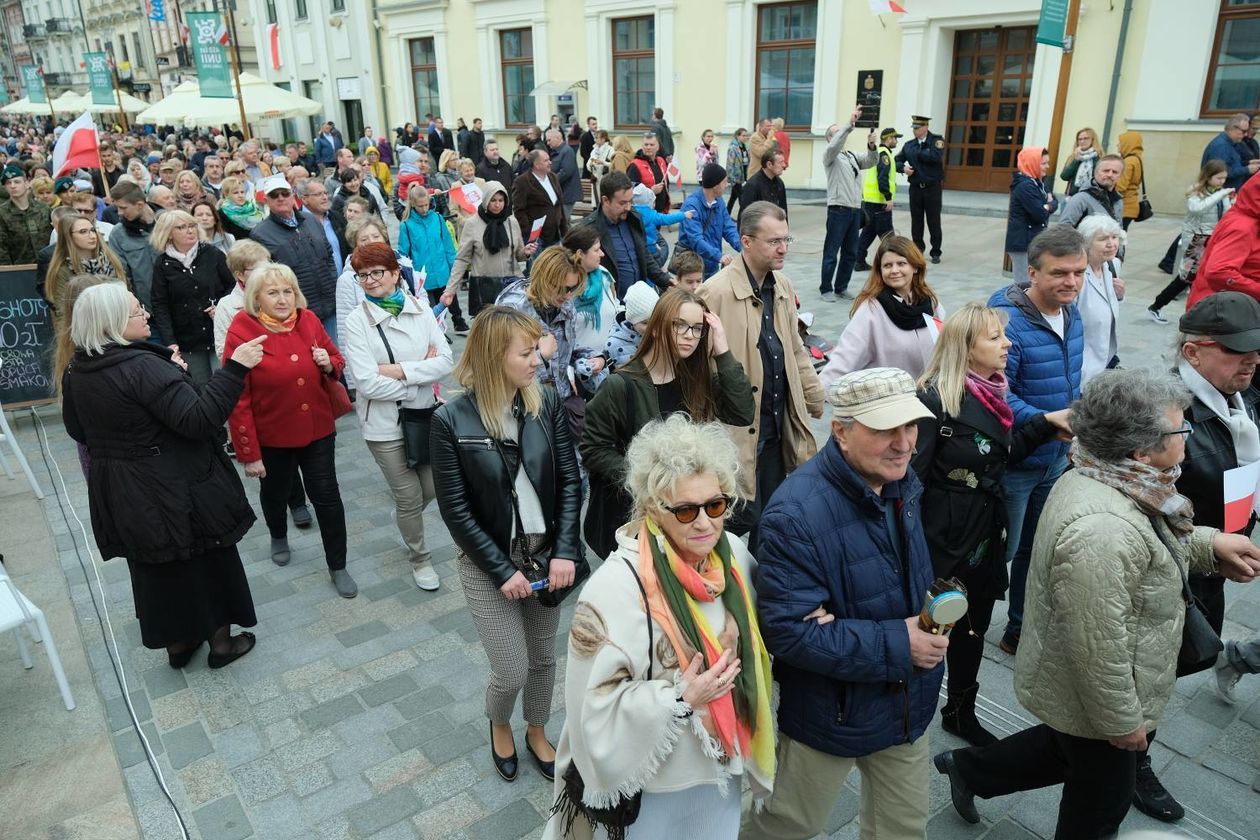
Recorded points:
1186,595
389,351
646,611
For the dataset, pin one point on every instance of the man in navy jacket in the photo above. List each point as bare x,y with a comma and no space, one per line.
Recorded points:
844,532
1228,149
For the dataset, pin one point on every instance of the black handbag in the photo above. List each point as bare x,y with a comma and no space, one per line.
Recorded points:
1145,211
414,421
608,505
614,819
1199,642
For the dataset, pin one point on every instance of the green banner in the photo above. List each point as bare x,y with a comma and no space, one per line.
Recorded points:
100,78
1053,22
34,84
4,94
207,37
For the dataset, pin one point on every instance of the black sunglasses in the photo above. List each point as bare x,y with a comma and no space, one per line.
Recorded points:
714,509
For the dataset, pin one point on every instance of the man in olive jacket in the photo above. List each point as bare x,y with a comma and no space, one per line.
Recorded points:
25,221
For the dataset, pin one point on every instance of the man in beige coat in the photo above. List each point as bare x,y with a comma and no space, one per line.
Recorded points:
757,305
761,142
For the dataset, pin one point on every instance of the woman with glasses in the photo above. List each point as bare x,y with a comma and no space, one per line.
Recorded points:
893,319
397,354
189,277
505,438
667,682
1104,609
683,365
161,491
79,250
547,297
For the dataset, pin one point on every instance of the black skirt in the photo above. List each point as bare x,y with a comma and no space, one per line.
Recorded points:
187,600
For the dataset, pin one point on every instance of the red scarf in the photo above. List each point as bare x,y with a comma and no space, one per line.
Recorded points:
991,393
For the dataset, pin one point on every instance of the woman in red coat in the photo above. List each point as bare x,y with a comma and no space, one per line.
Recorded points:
285,419
1231,259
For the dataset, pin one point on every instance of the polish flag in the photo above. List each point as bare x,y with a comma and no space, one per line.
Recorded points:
887,7
1240,495
934,326
222,35
673,173
77,148
273,44
535,230
467,196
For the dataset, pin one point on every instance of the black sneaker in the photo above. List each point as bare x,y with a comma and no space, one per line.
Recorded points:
861,267
959,793
1152,798
301,516
461,328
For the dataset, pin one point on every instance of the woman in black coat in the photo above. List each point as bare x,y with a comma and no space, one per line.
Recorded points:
189,276
961,454
162,492
507,439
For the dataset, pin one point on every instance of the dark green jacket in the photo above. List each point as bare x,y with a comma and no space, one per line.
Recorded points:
24,233
626,402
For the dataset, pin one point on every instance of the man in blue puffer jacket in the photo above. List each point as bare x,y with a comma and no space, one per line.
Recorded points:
844,533
1043,372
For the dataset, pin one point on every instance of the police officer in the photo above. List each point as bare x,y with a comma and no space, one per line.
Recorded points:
922,161
878,189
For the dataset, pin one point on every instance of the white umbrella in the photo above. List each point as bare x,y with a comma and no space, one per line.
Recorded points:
25,106
70,102
130,104
263,100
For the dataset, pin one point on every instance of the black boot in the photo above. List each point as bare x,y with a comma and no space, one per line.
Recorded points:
1152,798
959,717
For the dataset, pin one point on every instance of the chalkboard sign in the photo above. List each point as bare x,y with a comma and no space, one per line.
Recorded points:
26,340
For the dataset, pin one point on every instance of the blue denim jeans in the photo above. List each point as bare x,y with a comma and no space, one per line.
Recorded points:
1026,492
843,224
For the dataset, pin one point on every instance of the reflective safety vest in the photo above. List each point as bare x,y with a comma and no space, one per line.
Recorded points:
870,187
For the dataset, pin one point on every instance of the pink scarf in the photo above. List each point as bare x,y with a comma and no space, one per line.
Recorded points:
991,393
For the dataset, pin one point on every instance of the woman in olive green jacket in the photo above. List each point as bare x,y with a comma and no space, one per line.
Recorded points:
1104,615
683,364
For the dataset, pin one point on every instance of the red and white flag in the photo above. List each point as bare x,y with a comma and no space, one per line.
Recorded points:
77,148
1240,495
535,230
934,326
222,35
673,173
273,44
467,196
887,7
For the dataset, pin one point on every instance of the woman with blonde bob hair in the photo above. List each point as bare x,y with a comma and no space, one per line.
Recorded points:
667,683
507,438
962,453
890,322
285,421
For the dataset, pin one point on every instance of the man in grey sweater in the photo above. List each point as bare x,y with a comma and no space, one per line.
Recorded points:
844,206
1100,197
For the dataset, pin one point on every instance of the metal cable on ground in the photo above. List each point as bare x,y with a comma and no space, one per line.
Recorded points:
102,609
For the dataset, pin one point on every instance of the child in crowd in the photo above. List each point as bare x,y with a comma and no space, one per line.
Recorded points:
623,341
653,219
688,267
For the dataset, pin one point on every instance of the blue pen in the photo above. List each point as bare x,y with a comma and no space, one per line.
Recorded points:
540,584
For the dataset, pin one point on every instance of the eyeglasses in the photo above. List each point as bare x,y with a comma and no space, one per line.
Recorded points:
682,329
186,227
783,241
374,274
1207,342
279,194
714,509
143,313
571,290
1186,429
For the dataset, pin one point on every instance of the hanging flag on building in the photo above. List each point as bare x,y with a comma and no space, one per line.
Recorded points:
34,84
100,78
213,76
77,148
156,9
887,7
222,35
273,44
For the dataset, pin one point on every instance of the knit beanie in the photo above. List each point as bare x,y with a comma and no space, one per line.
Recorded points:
640,301
712,175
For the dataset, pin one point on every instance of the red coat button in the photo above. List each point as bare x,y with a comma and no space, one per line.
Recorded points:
301,381
305,407
293,358
240,428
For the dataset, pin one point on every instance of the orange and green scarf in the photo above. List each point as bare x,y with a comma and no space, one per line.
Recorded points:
673,587
278,326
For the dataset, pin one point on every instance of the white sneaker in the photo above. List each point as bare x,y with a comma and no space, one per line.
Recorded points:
829,297
1227,677
425,577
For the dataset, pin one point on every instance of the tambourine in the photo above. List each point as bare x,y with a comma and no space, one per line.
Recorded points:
945,604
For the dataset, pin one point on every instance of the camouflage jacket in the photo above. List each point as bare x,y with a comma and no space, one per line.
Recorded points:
23,232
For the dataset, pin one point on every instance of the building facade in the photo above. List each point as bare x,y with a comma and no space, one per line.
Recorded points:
120,29
16,50
53,32
1170,69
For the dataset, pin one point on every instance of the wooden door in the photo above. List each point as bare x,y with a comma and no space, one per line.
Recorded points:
988,106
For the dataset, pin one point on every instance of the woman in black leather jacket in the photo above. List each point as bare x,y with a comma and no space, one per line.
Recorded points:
507,484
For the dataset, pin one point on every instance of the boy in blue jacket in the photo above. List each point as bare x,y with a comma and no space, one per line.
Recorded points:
653,219
709,222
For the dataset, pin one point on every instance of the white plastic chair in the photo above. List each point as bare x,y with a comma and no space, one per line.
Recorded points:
16,612
6,434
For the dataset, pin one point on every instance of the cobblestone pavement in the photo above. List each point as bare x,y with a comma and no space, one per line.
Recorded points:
364,718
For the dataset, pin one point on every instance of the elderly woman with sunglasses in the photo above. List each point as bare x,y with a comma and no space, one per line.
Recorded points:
667,686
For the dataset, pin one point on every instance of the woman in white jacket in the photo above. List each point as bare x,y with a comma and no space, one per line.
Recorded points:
397,354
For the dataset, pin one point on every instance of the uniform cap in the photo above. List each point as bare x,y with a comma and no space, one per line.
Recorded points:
918,120
890,132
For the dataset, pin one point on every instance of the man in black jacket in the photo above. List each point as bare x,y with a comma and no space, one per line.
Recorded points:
494,168
440,139
765,184
621,236
475,150
295,239
586,145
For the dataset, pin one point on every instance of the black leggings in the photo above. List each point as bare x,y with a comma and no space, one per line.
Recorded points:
966,649
318,466
736,189
1174,288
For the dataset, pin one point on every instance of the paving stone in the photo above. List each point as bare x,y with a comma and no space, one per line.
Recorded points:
1008,830
448,780
1228,765
310,778
369,750
439,821
397,770
282,732
223,819
336,799
267,593
423,702
511,822
362,633
292,756
325,715
281,818
1246,613
340,685
163,680
420,731
120,718
129,749
259,781
238,745
385,588
205,780
387,690
1206,706
186,744
398,831
1187,735
384,810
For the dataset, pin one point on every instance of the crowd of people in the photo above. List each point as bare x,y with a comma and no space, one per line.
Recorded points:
217,298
